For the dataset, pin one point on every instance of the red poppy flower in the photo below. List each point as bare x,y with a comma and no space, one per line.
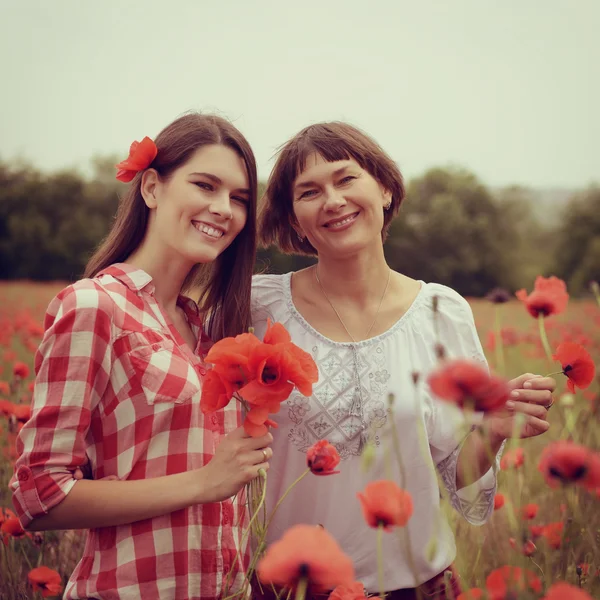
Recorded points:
12,526
507,579
141,155
230,358
354,591
4,388
577,365
536,531
21,370
472,594
307,552
276,370
499,501
564,462
384,503
22,412
46,581
216,393
553,533
528,548
549,297
276,334
530,511
512,459
6,407
322,458
562,591
257,422
467,383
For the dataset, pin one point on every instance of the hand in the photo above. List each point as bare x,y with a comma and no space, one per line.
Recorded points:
79,474
236,462
531,396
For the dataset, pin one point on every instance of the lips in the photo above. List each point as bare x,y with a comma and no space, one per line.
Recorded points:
340,221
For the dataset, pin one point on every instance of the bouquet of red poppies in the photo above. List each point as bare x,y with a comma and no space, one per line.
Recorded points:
260,374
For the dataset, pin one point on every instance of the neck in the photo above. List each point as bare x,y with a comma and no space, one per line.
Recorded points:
358,278
168,271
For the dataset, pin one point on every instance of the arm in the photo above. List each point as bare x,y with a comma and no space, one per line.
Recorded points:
105,503
73,366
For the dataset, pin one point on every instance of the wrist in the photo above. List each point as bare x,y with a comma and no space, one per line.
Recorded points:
203,491
491,436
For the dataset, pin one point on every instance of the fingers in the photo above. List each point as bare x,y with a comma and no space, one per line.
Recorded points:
536,426
518,382
540,383
78,474
259,442
542,397
533,409
261,456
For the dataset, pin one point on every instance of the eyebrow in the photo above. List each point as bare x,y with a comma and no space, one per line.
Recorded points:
307,184
218,181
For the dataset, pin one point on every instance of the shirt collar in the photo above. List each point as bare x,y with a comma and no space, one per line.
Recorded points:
135,279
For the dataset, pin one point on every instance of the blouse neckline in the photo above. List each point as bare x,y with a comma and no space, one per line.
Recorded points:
405,318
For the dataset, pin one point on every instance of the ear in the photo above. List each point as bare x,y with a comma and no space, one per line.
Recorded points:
387,198
149,187
297,229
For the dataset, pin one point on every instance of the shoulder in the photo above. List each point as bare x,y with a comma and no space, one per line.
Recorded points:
84,300
448,303
264,284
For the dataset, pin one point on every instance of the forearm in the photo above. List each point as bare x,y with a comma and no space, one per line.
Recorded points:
92,504
476,457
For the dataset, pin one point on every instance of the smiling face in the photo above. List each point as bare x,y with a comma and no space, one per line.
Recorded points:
199,210
339,206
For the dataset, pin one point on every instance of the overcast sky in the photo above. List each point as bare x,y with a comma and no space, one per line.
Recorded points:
509,89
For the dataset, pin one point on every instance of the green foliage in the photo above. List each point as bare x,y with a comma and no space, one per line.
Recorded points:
452,229
578,240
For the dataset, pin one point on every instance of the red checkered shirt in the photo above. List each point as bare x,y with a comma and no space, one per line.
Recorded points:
118,388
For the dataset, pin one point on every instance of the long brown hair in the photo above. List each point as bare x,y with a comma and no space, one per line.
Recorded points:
226,282
333,141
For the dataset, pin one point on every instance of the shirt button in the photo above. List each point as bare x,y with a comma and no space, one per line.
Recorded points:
23,475
225,519
202,371
214,420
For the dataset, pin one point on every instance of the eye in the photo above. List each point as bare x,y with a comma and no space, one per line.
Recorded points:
204,186
240,199
307,194
347,179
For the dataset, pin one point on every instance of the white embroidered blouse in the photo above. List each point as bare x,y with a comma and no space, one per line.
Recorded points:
349,408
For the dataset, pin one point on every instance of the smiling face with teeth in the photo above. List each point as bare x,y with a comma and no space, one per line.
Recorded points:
197,212
338,205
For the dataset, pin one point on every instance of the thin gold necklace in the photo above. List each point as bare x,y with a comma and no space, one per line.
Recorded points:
338,314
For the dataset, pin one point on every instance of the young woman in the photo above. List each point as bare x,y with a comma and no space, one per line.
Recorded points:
119,375
332,194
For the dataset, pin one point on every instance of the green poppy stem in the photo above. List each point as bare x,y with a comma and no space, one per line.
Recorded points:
380,560
499,343
301,589
544,337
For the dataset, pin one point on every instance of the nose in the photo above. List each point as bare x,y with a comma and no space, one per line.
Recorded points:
221,206
334,199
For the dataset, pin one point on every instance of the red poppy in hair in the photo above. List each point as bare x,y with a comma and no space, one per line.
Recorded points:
141,155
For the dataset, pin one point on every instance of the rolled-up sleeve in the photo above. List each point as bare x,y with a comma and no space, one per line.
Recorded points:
72,366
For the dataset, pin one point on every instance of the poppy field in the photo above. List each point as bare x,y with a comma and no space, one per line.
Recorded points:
543,539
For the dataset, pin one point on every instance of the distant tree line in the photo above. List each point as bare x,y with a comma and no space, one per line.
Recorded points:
452,229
